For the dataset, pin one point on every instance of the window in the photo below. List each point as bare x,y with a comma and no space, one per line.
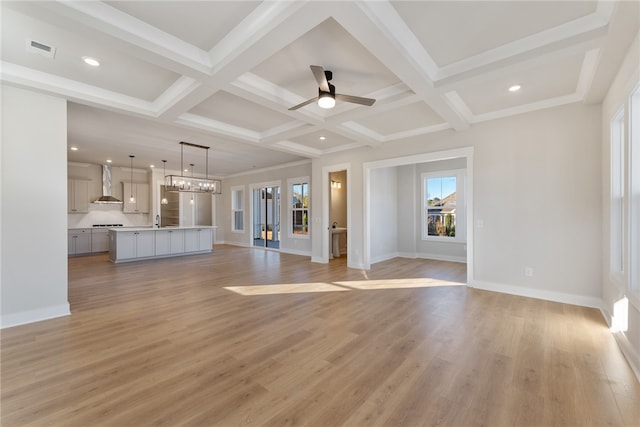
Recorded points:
634,190
237,209
617,197
299,207
443,201
624,204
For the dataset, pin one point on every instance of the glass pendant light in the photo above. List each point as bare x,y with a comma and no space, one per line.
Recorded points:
164,200
192,165
132,199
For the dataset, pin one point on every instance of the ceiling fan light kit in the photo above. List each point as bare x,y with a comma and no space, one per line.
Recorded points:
327,92
191,184
326,100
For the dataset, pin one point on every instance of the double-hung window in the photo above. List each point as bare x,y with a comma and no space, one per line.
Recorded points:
443,201
299,207
237,208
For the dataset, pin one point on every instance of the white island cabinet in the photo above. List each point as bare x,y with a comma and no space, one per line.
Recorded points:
169,241
134,244
197,239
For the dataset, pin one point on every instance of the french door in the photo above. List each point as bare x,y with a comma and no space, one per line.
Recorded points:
266,217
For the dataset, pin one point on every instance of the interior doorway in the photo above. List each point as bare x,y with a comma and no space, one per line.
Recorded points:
342,173
266,217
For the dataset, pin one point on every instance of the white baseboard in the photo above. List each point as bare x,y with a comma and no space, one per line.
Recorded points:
629,352
383,258
437,257
295,252
580,300
356,266
319,260
30,316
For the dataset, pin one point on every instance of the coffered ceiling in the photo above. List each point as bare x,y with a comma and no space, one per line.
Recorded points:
224,73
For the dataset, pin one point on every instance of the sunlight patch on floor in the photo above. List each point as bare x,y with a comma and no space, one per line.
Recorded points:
290,288
397,283
352,285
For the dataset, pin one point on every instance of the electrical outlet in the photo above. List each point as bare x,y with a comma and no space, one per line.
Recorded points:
528,271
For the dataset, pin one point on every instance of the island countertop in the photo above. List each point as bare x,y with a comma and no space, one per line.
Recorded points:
153,228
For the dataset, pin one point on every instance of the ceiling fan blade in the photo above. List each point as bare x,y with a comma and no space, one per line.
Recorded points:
321,78
302,104
355,99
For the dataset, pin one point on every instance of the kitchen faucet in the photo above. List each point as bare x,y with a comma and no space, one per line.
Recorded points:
158,220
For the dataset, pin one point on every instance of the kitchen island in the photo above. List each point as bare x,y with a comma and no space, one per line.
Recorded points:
136,244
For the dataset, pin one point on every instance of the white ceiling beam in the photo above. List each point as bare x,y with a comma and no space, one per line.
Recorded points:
378,27
275,32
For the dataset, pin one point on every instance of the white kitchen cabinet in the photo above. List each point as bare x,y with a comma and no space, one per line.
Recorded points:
99,240
78,196
79,241
197,239
140,194
169,242
133,244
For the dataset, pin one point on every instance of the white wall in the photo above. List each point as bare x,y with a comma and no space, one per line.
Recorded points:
33,220
224,234
384,214
410,244
537,185
107,213
627,78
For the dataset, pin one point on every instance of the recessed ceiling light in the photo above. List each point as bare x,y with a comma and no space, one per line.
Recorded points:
109,160
186,170
91,61
322,138
514,88
73,148
152,166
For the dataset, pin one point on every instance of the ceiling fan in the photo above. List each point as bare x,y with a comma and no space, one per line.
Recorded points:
327,92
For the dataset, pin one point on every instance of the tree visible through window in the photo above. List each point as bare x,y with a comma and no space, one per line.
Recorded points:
441,206
300,208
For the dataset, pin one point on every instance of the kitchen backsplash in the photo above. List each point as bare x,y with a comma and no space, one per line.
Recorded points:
106,214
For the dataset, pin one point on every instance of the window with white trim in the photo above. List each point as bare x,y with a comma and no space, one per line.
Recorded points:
237,208
299,207
634,191
617,203
443,201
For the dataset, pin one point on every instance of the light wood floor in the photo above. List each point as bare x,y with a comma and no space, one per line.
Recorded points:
165,342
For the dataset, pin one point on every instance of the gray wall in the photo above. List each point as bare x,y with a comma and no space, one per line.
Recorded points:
224,234
535,178
33,222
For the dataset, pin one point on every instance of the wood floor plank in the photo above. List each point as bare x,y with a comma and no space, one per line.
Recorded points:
246,337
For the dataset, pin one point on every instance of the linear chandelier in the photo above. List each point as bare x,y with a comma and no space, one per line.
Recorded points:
191,184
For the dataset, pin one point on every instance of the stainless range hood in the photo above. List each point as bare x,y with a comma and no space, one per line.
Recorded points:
106,188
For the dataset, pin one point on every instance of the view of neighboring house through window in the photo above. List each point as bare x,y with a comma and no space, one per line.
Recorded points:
443,201
299,190
237,209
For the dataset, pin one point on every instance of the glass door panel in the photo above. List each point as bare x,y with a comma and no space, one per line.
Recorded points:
266,217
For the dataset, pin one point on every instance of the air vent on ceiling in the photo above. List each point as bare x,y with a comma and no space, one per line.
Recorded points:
40,48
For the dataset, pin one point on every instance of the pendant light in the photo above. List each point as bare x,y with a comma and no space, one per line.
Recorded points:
164,200
180,183
132,199
192,165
